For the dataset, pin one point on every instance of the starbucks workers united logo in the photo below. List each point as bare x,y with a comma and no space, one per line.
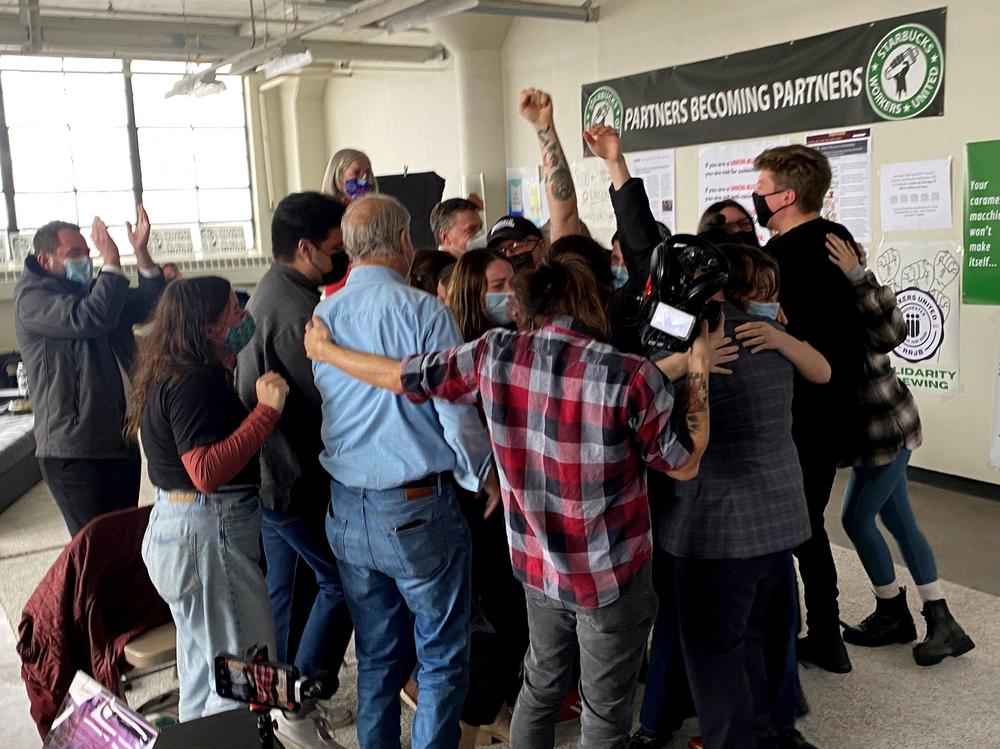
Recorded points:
905,72
604,107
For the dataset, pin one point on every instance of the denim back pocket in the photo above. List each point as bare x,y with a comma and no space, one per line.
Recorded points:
419,545
170,551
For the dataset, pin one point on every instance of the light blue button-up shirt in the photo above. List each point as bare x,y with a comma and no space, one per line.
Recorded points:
375,439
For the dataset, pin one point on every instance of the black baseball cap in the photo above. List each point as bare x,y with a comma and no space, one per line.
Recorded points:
512,227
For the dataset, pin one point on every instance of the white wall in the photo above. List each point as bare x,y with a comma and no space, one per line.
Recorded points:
398,118
637,35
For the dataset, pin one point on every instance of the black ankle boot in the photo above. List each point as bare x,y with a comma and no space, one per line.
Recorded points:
891,622
826,652
945,636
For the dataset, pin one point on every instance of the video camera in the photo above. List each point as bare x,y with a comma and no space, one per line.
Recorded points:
685,272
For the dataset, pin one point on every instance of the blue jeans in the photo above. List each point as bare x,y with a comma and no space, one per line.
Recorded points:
882,491
289,537
405,567
203,558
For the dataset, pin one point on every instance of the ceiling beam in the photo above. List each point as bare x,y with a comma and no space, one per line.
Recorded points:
177,40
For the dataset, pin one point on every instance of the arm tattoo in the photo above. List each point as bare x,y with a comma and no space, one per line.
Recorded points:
557,171
696,402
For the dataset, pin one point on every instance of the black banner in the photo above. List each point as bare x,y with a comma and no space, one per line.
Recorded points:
887,70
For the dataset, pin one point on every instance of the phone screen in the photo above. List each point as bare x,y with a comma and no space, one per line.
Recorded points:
265,684
672,321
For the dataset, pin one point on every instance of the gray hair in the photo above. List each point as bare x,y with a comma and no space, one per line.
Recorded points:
373,226
335,169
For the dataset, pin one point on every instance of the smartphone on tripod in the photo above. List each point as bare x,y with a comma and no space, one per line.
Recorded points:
258,682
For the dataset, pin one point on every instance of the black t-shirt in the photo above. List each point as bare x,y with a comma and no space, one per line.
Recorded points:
821,306
201,408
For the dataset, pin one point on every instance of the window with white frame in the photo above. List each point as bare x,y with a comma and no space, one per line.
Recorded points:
92,136
193,151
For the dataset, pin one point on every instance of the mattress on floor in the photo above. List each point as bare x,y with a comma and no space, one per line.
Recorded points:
17,440
18,467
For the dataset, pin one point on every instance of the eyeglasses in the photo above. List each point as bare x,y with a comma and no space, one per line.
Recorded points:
515,248
743,224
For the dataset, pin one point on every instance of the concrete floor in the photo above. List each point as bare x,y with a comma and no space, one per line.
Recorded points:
961,527
885,702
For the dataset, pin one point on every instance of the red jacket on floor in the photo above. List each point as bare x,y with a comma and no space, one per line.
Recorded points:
95,598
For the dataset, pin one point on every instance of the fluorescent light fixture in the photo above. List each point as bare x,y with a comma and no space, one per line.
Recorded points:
252,62
287,63
197,84
183,87
426,12
207,85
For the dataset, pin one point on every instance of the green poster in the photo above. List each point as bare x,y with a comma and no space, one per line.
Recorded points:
981,265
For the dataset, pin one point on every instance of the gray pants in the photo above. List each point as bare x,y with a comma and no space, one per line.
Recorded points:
610,640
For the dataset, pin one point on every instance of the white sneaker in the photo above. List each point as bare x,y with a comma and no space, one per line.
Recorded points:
311,731
338,716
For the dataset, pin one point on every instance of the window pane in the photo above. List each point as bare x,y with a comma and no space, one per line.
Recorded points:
91,65
224,205
166,158
221,157
224,109
165,66
30,62
114,207
37,209
95,99
152,109
35,99
101,159
41,159
171,206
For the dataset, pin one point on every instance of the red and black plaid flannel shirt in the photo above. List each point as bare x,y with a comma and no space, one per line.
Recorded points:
573,423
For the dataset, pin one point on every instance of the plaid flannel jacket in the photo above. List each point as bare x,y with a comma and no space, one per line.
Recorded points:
888,413
573,423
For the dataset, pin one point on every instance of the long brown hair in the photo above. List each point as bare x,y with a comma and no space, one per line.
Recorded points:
466,292
563,285
176,341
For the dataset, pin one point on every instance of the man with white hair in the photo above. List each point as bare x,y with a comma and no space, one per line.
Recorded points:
401,542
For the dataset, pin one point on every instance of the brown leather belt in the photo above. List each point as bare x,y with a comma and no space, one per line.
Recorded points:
418,492
424,487
184,498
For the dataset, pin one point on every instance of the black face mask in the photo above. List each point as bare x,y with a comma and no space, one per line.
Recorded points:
764,212
522,261
340,262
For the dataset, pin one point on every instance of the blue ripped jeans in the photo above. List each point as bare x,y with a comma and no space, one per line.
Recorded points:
203,558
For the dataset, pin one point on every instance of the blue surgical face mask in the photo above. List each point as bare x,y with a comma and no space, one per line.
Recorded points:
498,306
79,270
764,309
238,336
358,188
620,272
